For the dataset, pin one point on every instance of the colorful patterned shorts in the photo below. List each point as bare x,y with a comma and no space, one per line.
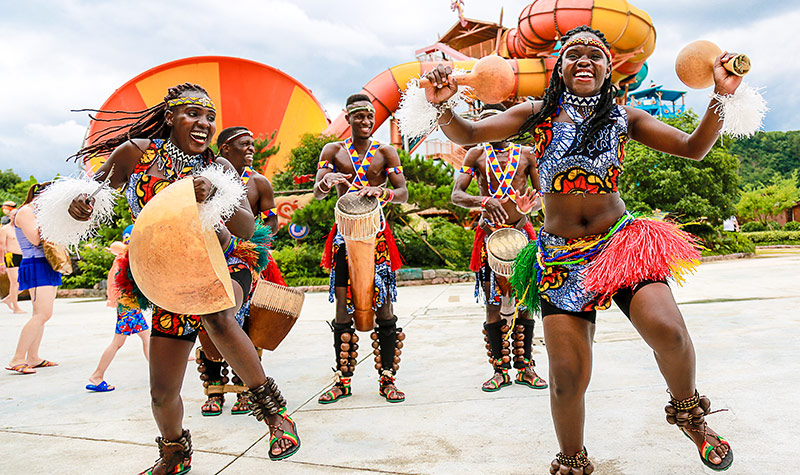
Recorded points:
130,320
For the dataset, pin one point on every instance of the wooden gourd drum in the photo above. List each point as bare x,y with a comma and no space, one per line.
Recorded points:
358,220
178,265
502,248
273,312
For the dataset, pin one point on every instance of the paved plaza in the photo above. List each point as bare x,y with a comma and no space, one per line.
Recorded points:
744,317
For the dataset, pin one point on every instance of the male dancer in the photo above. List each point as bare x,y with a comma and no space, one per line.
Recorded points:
361,165
236,144
12,257
502,206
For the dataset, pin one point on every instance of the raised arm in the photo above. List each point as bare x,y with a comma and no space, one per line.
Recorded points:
657,135
464,132
120,166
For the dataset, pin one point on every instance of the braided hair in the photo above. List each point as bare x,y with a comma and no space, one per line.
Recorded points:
148,123
552,99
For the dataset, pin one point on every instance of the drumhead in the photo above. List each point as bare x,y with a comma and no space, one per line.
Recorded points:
352,203
505,243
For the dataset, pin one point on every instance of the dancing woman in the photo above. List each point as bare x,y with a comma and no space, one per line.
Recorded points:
167,142
579,133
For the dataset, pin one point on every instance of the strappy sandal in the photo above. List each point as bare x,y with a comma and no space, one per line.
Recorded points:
330,396
287,435
579,464
242,404
538,383
689,415
492,385
174,456
389,391
213,406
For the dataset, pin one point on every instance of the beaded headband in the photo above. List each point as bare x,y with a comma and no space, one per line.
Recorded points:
356,107
587,41
200,101
239,134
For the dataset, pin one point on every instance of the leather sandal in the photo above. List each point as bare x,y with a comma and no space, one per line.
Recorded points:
492,385
290,435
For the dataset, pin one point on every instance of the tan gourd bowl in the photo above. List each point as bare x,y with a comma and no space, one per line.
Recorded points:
695,64
176,264
492,78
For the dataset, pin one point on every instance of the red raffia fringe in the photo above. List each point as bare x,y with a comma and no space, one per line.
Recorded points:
272,273
645,249
475,262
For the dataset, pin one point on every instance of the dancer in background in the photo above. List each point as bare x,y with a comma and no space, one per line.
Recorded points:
503,171
362,165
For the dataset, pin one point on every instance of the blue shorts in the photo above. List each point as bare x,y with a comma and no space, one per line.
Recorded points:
130,320
36,272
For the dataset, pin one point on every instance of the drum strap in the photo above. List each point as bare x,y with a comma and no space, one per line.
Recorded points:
503,176
360,165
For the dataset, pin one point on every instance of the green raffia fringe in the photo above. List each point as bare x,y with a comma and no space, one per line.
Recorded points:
262,238
523,277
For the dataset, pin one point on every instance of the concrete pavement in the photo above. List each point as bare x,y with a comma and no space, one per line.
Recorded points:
744,317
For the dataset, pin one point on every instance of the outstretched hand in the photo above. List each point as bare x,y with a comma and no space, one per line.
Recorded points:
332,179
528,201
725,82
444,86
375,191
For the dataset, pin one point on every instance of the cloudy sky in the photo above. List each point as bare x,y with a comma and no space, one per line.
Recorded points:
69,54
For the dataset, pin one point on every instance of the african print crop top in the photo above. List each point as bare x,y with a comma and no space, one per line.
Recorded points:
595,170
143,187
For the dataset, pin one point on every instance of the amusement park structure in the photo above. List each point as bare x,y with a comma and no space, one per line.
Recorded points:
269,101
658,102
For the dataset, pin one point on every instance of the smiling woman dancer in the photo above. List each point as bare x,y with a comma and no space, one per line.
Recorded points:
167,142
579,134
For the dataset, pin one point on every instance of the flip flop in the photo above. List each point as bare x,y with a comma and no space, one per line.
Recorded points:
45,364
103,387
22,368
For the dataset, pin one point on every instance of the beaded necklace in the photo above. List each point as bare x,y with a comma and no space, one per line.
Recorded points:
584,105
360,165
504,176
176,163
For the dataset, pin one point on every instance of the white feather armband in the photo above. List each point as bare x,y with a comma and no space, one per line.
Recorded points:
228,193
742,112
416,116
52,210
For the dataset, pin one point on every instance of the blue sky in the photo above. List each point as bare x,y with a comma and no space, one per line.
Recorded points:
69,54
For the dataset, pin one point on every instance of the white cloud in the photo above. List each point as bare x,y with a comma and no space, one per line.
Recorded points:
68,133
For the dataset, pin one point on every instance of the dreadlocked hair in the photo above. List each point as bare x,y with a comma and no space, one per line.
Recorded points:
552,100
146,124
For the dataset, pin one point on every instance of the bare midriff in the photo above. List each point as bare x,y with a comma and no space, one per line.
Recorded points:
578,215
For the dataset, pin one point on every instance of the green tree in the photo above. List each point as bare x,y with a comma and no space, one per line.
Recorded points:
760,202
767,153
687,188
303,160
264,150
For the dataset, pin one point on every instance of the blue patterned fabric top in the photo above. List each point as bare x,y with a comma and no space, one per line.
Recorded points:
596,169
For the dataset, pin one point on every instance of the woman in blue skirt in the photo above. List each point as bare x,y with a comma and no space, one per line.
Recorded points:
36,275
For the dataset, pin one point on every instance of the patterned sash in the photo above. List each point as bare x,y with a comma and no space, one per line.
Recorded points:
504,177
246,174
360,165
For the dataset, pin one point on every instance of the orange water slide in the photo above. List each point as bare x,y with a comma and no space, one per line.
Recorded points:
385,89
628,29
247,93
